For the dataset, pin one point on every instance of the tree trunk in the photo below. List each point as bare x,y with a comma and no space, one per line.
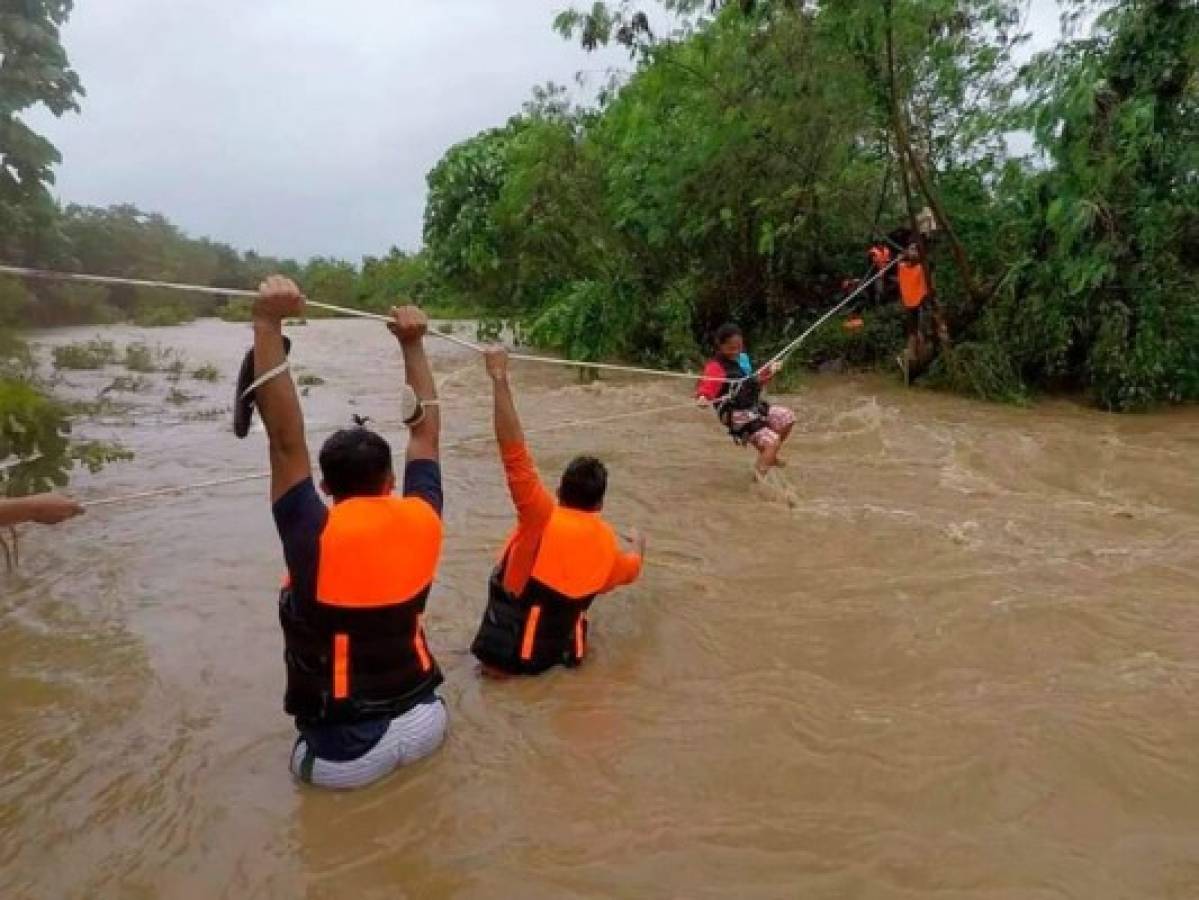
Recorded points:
910,167
896,143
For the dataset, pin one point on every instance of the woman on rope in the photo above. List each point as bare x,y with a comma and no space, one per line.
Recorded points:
361,682
730,385
561,556
42,509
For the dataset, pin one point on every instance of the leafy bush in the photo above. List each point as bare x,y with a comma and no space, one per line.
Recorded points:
141,357
238,309
161,316
982,370
16,302
207,372
93,354
35,430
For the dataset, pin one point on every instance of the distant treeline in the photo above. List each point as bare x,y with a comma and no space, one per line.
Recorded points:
126,242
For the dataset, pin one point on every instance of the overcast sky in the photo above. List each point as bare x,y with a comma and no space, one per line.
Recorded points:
300,127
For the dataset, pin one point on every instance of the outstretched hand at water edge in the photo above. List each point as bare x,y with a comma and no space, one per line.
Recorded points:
42,509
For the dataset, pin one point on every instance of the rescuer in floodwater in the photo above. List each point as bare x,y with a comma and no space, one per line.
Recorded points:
361,682
561,556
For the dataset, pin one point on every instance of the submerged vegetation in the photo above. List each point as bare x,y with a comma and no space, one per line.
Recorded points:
93,354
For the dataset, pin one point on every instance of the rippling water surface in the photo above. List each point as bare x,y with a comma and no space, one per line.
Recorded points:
955,653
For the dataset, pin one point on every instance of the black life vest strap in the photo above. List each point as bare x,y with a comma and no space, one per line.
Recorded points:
740,393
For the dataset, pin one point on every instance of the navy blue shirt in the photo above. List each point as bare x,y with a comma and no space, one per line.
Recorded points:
301,516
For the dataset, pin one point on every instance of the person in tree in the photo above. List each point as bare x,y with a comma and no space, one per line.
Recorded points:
41,509
919,302
880,256
559,559
732,387
361,681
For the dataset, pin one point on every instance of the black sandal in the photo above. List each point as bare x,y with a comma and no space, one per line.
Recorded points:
243,403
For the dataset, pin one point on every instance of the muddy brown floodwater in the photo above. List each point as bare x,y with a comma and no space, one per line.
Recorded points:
962,660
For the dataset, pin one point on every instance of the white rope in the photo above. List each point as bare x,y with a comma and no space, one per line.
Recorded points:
794,345
47,275
180,489
260,476
782,355
734,383
265,377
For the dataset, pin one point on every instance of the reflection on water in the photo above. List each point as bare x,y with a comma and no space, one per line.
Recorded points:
963,660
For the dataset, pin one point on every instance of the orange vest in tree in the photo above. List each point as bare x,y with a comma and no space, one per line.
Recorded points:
913,286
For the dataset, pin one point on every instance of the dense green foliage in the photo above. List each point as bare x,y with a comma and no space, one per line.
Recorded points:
33,70
36,450
35,436
741,170
1106,292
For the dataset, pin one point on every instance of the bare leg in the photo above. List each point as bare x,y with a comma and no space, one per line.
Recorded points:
767,459
783,434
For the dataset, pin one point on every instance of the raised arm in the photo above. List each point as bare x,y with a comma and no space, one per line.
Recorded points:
44,509
534,504
409,325
508,430
279,298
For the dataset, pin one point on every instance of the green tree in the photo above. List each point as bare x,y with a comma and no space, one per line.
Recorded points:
463,239
34,70
396,278
1107,295
35,445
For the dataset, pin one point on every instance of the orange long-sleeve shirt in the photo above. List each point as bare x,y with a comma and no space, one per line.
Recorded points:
534,507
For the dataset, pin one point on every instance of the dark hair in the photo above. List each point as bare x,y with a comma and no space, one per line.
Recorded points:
726,331
355,462
584,484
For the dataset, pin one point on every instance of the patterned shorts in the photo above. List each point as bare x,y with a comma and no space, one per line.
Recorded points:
778,419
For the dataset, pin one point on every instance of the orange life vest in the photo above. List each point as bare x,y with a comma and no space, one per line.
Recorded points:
880,256
913,286
547,623
359,650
